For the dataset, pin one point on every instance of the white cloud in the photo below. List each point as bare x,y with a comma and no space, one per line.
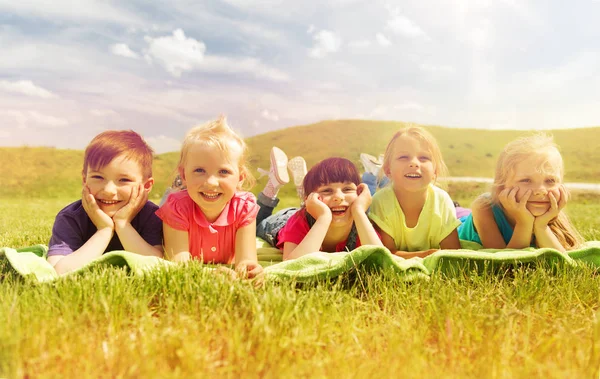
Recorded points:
443,69
271,116
102,112
402,25
43,120
80,11
123,50
245,65
383,40
163,144
27,119
26,87
481,36
326,42
176,53
359,43
410,106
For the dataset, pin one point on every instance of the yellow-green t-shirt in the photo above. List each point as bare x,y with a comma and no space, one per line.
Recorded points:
436,221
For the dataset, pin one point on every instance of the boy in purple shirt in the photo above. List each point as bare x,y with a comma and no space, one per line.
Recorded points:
114,212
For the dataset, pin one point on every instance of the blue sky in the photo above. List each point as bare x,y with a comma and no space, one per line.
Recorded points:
70,69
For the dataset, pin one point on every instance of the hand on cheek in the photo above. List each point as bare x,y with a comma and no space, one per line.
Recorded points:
97,215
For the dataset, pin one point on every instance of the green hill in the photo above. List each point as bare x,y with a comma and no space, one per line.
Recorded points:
54,173
467,152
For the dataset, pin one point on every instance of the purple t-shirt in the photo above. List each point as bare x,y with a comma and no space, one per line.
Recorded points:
73,227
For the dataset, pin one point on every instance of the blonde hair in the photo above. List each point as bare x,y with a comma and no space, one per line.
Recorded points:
441,170
217,133
541,147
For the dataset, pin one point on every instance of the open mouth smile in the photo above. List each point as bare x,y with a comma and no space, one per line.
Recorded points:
212,196
108,202
413,176
339,211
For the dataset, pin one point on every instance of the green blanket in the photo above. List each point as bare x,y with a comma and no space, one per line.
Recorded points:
30,262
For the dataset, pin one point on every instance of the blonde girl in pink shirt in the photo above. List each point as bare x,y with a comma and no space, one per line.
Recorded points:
212,220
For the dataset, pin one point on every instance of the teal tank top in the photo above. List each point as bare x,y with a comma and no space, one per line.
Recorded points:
466,231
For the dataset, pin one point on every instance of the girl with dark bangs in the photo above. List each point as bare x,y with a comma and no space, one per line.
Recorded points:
333,217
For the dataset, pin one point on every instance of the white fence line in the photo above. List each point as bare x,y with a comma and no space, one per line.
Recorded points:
575,185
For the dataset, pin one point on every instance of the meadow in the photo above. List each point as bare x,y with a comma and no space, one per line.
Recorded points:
183,322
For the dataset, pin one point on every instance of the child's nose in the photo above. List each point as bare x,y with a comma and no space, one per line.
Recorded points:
414,162
110,187
212,180
540,191
338,195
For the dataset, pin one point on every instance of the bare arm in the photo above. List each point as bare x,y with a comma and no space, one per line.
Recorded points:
313,240
246,261
451,241
364,228
129,237
543,234
177,246
391,246
485,224
132,241
92,248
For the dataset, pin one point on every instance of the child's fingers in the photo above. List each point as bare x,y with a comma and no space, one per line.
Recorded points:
241,270
526,196
512,195
553,202
564,196
226,271
362,188
255,271
259,280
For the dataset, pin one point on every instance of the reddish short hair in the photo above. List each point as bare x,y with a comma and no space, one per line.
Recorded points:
108,145
330,170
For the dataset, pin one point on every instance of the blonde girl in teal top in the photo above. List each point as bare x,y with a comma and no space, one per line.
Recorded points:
414,216
529,194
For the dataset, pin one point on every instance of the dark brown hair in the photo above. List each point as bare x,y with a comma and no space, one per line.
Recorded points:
330,170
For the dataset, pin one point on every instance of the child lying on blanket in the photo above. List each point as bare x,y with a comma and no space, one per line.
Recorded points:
415,217
212,219
114,212
333,217
525,207
374,178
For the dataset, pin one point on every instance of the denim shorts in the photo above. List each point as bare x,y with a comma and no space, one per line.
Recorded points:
269,228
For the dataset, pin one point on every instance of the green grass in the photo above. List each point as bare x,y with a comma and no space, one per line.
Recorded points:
186,323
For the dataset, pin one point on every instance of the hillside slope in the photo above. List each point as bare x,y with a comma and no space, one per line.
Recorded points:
55,173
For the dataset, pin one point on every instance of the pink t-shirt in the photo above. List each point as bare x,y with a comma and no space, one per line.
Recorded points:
296,228
209,242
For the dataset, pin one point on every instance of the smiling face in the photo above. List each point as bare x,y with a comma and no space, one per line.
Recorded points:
535,174
211,177
411,167
112,184
338,197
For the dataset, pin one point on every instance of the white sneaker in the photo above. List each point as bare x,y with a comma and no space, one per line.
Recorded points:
278,174
370,163
297,167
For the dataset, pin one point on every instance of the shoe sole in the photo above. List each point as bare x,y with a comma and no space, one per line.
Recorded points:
297,166
280,161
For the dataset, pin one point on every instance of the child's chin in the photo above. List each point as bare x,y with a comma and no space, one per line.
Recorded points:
536,212
110,212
